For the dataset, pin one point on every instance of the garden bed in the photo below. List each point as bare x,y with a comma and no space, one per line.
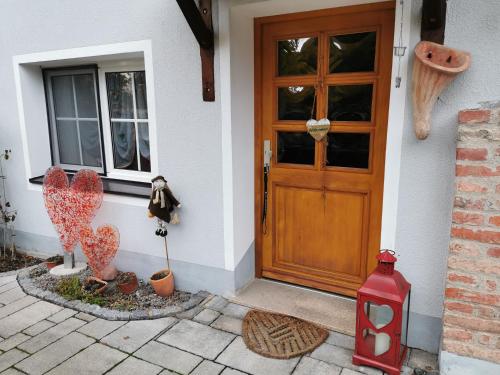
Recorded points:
7,263
111,304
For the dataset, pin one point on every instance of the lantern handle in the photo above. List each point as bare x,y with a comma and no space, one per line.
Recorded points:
392,252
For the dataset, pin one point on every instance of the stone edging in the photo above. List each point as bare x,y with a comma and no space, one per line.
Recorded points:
29,288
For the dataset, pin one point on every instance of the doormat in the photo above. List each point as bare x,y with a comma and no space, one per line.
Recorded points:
280,336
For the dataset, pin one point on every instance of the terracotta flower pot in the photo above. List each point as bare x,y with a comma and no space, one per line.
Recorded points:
130,285
54,261
435,66
164,287
93,279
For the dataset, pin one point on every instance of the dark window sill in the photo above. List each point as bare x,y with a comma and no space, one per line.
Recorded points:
113,186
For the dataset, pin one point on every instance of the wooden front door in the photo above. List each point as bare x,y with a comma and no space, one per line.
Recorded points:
324,199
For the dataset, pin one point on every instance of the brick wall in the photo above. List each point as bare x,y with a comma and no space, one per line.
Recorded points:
472,297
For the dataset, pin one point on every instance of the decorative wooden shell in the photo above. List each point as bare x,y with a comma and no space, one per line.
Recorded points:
434,68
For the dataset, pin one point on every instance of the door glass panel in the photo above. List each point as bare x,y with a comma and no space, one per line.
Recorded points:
295,148
352,52
297,56
295,102
350,150
350,102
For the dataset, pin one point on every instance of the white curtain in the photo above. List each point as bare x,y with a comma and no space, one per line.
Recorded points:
124,144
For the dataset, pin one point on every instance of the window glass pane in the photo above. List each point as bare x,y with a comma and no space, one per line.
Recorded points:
140,95
295,102
67,140
119,87
85,95
297,56
352,52
62,91
91,147
144,147
124,145
348,150
350,102
295,148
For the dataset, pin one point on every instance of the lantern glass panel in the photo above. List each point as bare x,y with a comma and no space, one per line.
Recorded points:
379,315
377,343
404,324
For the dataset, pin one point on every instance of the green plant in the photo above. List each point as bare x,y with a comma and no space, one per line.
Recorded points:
71,289
94,299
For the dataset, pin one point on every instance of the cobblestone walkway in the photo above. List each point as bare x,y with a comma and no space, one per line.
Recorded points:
37,337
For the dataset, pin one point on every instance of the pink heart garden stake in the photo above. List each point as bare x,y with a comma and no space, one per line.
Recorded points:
71,207
101,247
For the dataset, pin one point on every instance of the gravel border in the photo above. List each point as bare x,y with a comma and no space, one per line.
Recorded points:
27,285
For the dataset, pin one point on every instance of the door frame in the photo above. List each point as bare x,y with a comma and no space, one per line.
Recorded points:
258,123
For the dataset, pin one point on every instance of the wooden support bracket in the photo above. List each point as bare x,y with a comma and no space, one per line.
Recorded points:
433,21
200,22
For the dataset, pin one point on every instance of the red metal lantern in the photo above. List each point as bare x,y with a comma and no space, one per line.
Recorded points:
383,308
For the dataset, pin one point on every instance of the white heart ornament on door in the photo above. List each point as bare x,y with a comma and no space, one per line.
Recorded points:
318,129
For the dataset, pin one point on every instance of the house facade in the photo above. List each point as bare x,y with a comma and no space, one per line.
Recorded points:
116,86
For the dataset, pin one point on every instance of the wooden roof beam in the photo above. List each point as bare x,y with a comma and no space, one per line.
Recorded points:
200,22
433,21
194,18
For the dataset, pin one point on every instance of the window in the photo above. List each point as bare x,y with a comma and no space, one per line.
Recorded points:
116,146
128,112
74,119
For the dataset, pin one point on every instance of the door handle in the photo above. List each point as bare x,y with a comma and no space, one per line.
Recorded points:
267,165
268,153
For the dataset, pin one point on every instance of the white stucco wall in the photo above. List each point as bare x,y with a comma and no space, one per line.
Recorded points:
428,167
189,130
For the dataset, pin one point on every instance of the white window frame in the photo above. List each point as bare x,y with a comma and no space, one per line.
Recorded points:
32,111
113,172
54,138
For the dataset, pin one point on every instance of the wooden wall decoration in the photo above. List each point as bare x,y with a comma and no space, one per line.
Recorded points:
199,19
433,21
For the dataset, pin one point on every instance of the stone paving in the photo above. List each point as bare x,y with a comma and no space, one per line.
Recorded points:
38,337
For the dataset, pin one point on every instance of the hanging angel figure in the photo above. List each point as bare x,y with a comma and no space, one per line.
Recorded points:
162,205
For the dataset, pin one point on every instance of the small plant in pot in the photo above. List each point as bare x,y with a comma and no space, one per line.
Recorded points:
162,205
127,282
54,261
93,285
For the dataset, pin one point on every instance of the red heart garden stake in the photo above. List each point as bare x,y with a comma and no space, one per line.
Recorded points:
71,207
101,247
